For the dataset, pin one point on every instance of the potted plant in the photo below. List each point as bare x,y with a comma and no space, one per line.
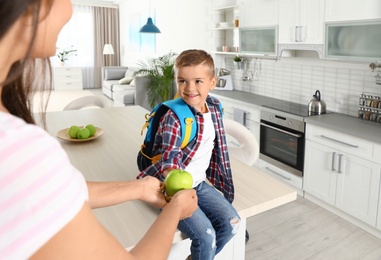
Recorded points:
161,74
64,55
238,61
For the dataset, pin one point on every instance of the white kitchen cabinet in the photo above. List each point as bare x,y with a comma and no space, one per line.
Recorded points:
67,78
340,178
344,10
256,13
226,35
301,21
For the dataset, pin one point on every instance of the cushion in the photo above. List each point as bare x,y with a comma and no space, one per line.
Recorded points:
117,88
133,82
126,80
114,73
129,73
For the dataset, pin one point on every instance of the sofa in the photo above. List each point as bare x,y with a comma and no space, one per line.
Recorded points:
121,84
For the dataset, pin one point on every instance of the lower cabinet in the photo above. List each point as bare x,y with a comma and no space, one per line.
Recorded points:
347,182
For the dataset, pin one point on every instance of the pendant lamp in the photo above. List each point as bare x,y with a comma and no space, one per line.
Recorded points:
149,27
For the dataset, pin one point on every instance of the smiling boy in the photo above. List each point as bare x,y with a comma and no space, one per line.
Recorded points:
215,222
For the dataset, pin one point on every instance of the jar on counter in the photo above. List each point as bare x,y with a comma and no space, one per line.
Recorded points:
376,101
373,115
361,112
367,114
369,100
362,100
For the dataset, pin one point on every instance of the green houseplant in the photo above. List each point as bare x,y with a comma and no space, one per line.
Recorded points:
161,74
238,61
64,55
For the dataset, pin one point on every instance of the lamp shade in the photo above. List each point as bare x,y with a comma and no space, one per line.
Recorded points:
149,27
108,49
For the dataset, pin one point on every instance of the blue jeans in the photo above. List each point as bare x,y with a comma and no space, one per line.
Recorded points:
212,225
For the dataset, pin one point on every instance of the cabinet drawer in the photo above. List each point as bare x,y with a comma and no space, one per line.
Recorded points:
342,142
68,71
282,175
67,78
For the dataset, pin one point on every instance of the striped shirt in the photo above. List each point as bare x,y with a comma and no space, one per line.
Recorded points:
40,191
168,143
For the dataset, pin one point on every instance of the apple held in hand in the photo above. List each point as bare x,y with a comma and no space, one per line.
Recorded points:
177,180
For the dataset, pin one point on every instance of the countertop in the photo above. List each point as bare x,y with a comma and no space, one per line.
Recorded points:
336,121
112,157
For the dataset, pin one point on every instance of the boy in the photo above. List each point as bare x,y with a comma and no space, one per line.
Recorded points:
215,222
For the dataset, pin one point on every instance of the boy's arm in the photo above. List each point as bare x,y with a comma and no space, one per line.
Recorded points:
172,154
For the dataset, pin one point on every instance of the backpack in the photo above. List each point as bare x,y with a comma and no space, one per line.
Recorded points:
188,129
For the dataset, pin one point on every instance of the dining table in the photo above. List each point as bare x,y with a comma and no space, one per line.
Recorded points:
111,156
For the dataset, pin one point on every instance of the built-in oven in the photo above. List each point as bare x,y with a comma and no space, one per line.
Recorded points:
282,141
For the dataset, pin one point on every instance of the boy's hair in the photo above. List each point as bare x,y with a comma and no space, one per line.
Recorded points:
193,58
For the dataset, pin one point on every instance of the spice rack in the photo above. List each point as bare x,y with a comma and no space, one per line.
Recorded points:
369,107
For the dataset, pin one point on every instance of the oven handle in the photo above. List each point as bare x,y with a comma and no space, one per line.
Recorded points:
281,130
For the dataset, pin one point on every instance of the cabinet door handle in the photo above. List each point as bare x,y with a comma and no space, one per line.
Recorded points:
340,157
281,130
284,177
333,161
298,37
338,141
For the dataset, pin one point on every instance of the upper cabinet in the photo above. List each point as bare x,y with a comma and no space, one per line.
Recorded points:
344,10
256,13
301,21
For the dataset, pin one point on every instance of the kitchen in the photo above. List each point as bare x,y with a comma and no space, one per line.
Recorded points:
342,175
297,72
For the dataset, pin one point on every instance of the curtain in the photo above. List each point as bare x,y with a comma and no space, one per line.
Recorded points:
106,32
89,29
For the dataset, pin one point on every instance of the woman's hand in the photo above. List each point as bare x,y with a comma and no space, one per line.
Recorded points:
186,200
152,191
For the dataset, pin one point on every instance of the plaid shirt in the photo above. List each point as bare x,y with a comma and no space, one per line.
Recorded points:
168,142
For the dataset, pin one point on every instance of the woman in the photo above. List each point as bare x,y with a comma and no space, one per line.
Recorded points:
45,204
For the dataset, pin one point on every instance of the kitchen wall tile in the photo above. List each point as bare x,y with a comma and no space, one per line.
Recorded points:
296,80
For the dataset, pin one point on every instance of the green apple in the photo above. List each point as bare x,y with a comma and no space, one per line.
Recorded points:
73,130
83,133
177,180
92,129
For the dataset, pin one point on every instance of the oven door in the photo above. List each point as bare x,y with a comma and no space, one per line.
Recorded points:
282,147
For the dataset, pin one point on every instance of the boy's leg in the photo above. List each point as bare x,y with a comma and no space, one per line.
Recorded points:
220,212
200,231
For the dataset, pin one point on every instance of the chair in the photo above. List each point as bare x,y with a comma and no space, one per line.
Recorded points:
87,101
247,148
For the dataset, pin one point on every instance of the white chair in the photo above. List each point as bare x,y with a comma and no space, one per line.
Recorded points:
246,148
87,101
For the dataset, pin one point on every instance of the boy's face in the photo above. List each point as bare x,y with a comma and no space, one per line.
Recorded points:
194,84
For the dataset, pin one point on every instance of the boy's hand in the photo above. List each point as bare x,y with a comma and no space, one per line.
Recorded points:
152,191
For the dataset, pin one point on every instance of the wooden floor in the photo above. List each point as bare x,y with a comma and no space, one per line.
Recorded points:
304,230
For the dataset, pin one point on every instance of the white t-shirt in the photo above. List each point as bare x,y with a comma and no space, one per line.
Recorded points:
201,159
40,191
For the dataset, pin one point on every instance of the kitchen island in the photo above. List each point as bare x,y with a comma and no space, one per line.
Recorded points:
113,157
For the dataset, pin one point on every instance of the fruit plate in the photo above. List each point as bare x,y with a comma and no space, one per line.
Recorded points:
63,134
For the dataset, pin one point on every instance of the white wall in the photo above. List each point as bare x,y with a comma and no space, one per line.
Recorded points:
182,24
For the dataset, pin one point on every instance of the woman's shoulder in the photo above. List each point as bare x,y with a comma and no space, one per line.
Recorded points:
38,183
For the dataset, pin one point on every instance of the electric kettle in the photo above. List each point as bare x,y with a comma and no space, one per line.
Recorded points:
316,105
